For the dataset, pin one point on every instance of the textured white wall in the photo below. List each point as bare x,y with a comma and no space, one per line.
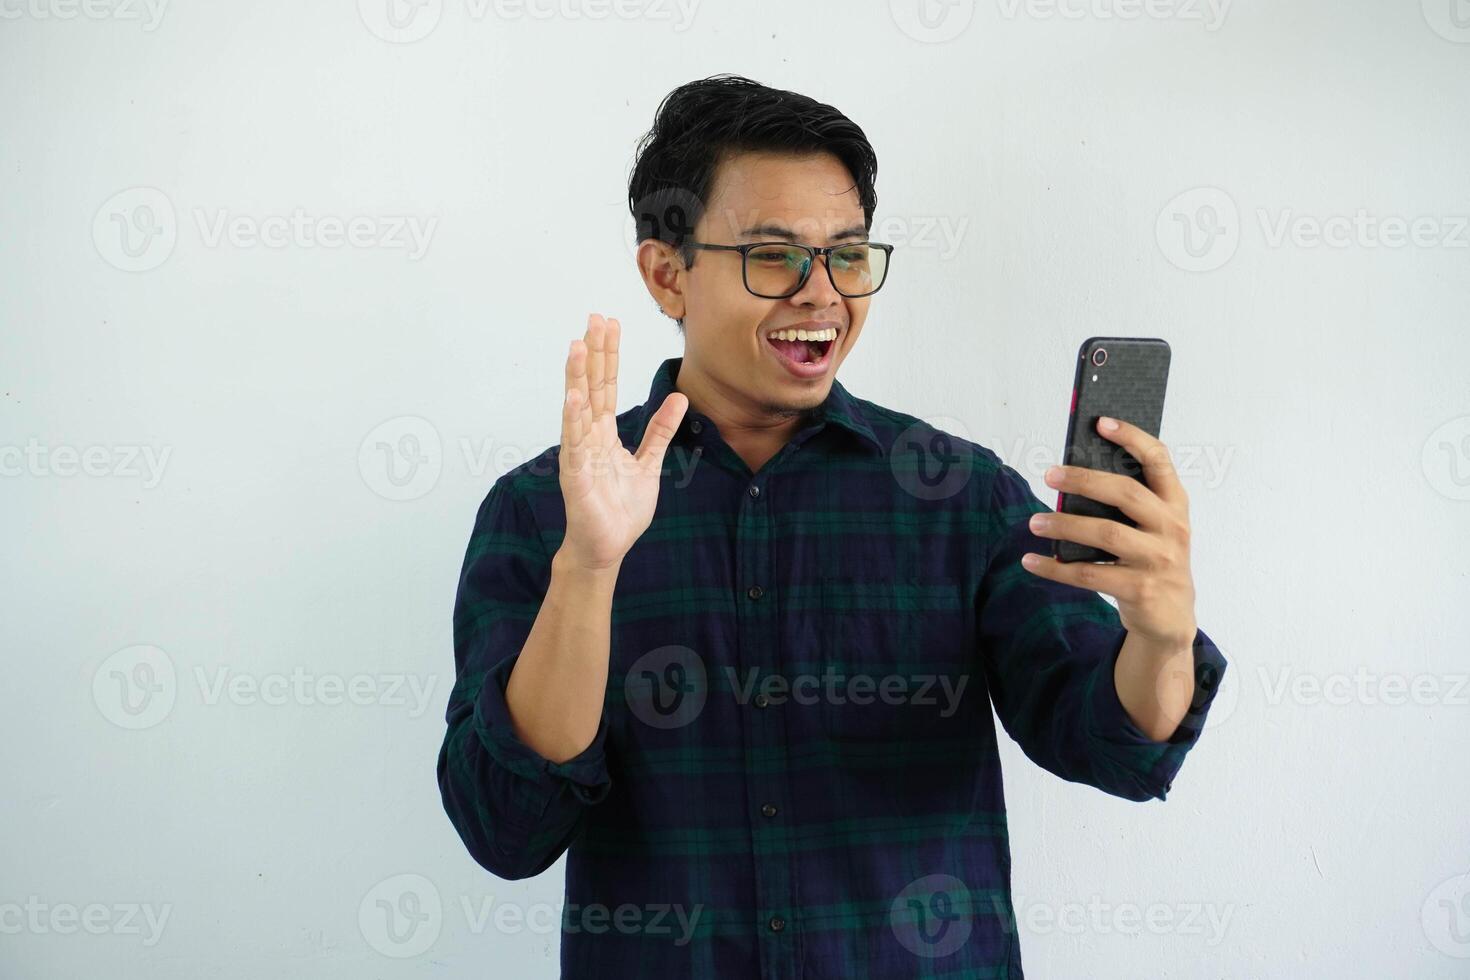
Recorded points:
174,624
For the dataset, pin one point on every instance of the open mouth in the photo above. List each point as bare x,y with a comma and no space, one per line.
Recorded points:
804,352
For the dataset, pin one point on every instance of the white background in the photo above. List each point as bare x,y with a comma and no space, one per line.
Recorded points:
1033,160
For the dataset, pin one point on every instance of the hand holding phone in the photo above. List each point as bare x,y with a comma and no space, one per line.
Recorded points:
1124,378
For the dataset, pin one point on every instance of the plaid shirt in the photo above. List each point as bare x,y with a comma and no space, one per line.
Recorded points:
795,772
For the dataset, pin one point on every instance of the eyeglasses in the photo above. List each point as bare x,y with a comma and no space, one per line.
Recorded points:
776,270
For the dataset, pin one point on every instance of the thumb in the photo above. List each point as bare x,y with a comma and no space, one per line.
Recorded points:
661,429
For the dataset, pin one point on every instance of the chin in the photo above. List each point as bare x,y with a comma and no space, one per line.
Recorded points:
795,406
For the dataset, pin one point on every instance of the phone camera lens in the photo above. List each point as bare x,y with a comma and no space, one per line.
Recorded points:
1099,357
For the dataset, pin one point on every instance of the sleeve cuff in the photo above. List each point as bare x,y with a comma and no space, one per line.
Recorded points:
585,774
1121,743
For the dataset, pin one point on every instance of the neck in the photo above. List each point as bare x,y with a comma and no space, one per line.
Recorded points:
756,432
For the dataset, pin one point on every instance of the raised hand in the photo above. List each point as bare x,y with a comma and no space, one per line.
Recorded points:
609,492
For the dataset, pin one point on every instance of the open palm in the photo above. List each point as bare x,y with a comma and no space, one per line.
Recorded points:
609,493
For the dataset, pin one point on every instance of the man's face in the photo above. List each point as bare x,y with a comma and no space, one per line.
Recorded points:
759,197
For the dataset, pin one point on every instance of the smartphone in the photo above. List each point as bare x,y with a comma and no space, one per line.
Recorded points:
1122,377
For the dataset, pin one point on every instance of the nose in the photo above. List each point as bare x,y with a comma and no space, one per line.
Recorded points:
818,290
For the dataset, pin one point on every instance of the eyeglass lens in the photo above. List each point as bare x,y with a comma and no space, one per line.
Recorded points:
775,270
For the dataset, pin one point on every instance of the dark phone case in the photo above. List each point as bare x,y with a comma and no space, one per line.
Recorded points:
1130,386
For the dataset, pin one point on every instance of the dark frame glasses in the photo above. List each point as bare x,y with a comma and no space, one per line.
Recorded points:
813,254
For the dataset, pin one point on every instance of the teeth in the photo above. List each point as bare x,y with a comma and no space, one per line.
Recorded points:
829,333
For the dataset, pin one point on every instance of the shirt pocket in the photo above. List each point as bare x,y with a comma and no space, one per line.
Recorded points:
897,659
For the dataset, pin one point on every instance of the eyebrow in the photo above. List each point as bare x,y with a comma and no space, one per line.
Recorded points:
779,231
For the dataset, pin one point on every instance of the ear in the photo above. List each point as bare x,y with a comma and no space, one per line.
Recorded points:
662,269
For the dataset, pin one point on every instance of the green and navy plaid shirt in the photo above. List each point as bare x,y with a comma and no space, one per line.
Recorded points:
795,774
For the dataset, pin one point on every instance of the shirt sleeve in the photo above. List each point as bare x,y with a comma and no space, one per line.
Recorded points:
516,811
1049,651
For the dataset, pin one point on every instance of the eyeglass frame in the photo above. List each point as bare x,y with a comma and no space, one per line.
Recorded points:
816,253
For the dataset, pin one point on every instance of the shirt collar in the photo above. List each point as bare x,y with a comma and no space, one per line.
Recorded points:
840,407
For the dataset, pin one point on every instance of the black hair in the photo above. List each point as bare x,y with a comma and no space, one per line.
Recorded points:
699,123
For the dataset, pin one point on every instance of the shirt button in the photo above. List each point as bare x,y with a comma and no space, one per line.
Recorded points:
755,591
755,491
696,427
761,700
777,923
769,810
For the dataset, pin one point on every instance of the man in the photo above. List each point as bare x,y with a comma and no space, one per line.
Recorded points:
734,651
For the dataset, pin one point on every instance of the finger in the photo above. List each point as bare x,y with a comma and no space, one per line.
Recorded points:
577,366
573,447
596,329
1124,492
1118,581
661,429
1131,545
610,365
1152,455
571,409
